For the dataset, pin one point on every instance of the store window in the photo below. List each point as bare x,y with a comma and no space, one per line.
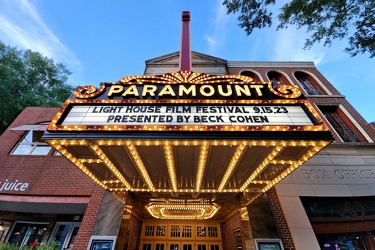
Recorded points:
32,144
342,222
65,233
342,125
27,234
341,242
308,83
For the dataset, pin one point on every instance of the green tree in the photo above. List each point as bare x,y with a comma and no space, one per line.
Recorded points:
28,78
326,20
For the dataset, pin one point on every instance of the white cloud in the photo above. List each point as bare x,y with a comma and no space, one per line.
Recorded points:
218,31
289,45
21,26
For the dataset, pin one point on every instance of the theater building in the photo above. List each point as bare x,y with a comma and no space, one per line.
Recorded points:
199,153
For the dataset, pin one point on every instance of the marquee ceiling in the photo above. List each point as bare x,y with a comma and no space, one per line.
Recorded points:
204,172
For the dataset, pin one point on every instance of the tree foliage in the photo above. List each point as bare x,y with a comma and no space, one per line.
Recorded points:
325,20
28,78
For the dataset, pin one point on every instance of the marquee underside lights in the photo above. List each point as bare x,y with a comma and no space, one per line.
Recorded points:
188,135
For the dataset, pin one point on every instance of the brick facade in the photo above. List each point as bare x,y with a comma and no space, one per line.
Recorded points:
88,222
135,231
228,228
280,219
64,179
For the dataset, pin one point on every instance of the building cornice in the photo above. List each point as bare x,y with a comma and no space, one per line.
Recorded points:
271,64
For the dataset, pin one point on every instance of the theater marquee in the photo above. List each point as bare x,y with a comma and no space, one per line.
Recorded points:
191,139
187,101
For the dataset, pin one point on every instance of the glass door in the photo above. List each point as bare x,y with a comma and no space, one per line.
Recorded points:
187,246
214,246
65,233
174,246
160,245
146,246
201,246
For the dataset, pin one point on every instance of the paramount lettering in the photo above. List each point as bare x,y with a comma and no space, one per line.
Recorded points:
180,90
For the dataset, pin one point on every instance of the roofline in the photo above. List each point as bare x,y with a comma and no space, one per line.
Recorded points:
178,52
286,64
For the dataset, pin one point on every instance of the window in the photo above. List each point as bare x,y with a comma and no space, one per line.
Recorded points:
201,231
251,74
24,233
175,231
212,231
308,84
342,241
32,144
149,230
186,231
341,124
277,79
160,230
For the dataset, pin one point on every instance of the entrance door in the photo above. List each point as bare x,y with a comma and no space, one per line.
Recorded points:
187,246
174,246
146,246
202,246
160,245
214,246
65,233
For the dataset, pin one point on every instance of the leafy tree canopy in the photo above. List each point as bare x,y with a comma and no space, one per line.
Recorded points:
28,78
326,20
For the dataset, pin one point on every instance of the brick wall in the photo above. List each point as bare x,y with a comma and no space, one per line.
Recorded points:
89,219
336,99
49,175
228,227
135,230
281,223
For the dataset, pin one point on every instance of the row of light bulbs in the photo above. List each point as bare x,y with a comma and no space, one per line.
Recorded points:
241,145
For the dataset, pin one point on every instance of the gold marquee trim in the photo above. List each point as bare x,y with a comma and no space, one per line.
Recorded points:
187,77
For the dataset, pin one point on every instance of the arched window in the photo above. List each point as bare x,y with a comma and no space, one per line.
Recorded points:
277,79
341,123
251,74
308,83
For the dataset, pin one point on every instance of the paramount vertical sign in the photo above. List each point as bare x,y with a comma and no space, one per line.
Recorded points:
187,101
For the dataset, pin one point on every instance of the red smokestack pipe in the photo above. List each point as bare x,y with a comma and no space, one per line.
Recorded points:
185,48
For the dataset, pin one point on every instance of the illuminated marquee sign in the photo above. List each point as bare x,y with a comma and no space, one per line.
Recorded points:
187,115
187,101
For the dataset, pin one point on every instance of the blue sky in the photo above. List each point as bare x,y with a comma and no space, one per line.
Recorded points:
103,40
